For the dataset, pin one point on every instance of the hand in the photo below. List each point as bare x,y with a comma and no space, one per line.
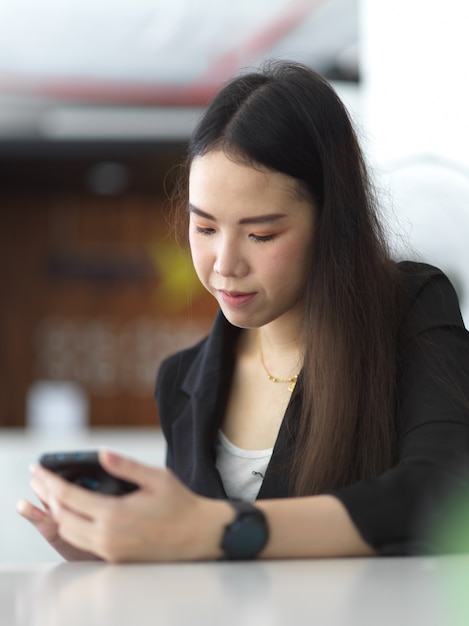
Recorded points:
43,521
162,521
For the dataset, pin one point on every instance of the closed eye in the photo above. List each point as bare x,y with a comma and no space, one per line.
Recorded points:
204,231
207,230
262,238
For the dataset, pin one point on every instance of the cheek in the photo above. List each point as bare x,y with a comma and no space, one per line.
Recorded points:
291,258
200,258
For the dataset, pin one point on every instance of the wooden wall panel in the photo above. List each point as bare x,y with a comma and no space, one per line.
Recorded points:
93,291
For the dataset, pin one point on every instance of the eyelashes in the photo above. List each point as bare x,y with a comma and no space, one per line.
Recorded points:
256,238
262,238
203,231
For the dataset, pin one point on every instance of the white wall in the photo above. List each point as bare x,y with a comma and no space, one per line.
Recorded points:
414,112
416,79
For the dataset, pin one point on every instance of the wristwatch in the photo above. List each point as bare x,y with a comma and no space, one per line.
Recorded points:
247,535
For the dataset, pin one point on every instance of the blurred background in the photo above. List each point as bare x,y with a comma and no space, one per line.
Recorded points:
97,101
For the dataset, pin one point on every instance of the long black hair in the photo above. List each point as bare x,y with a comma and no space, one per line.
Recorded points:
287,118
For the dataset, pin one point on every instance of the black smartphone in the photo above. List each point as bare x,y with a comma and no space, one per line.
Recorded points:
83,468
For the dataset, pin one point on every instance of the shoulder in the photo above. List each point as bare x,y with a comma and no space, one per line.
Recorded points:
416,275
174,368
173,372
428,296
190,370
202,371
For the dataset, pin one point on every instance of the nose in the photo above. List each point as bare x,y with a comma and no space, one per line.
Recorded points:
229,260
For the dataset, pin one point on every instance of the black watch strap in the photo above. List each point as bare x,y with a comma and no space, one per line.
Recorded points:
247,535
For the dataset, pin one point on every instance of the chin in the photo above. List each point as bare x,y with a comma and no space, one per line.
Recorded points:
239,323
243,321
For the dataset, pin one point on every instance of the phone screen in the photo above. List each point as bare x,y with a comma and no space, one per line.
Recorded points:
83,468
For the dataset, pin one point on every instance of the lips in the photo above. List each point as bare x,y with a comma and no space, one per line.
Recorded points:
236,299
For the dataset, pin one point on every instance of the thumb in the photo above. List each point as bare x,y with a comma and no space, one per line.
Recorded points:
128,469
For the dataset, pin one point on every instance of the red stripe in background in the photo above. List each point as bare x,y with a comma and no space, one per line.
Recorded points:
196,93
253,48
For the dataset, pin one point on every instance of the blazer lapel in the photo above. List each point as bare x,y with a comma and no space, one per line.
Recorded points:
276,481
206,384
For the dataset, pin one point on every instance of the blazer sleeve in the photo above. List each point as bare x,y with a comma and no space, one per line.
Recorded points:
401,511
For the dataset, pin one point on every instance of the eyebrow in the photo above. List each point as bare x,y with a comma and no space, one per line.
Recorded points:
257,219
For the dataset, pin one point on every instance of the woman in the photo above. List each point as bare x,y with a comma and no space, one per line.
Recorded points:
332,389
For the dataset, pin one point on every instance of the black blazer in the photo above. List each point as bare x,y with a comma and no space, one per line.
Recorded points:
391,511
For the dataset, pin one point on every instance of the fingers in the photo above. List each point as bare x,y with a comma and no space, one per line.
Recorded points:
130,470
48,528
96,537
30,512
42,520
80,522
53,490
69,521
73,529
39,490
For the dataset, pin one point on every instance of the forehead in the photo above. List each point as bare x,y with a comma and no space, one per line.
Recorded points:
216,175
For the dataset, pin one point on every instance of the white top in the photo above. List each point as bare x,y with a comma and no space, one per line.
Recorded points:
242,471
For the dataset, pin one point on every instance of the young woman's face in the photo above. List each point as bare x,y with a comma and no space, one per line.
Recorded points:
250,234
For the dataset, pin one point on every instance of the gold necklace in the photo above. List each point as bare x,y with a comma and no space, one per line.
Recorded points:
292,380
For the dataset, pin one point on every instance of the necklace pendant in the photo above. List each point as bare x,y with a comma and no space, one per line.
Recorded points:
273,379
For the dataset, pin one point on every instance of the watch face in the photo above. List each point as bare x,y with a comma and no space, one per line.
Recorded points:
246,537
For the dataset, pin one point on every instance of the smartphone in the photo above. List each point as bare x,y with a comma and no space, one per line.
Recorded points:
84,469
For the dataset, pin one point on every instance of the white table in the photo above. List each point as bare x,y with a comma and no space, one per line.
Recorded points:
342,592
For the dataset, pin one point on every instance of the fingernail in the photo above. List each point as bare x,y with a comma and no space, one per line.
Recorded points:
21,506
36,470
112,458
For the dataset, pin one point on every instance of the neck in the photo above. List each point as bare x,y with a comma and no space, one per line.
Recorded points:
279,355
281,338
